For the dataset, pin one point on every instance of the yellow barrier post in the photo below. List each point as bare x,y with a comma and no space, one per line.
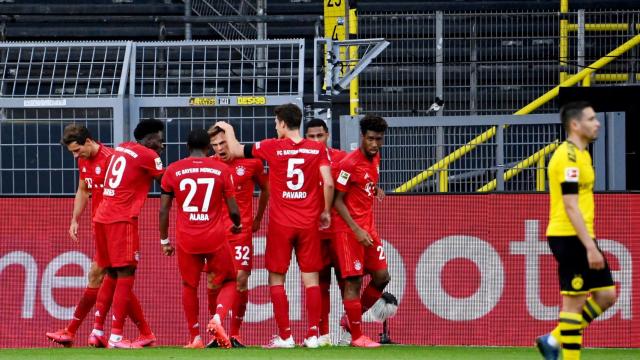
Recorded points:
564,38
540,173
443,184
572,80
354,97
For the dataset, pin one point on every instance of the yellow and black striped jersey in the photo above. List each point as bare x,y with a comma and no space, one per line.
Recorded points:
570,172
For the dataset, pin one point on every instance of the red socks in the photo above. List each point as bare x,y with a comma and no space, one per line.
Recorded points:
212,300
369,297
121,303
191,311
314,307
226,299
137,315
325,295
353,308
281,310
239,309
85,305
103,301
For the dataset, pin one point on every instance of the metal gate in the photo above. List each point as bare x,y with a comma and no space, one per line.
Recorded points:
44,87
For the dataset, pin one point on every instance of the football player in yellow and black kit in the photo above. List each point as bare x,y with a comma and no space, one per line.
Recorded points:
586,284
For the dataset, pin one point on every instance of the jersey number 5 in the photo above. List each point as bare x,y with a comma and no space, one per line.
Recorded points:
193,186
293,172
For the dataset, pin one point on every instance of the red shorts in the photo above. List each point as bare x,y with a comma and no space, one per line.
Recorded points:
326,250
117,244
281,240
220,263
242,249
355,259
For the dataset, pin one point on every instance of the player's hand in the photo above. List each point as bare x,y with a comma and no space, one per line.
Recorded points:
236,229
595,258
228,129
168,250
363,237
73,230
255,226
380,194
325,219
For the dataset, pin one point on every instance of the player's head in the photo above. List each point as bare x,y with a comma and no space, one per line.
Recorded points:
288,117
372,128
316,130
149,133
78,141
218,141
198,140
578,118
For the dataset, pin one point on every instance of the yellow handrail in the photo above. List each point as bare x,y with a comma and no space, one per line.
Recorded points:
491,185
572,80
600,27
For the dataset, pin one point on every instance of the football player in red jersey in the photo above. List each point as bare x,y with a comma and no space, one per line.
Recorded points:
317,130
133,167
356,243
297,209
93,160
201,186
246,174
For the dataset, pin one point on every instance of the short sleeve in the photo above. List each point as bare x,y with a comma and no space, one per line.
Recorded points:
324,157
81,165
343,177
259,174
167,185
568,174
152,163
264,149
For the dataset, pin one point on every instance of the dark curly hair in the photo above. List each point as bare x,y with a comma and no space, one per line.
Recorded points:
374,123
146,127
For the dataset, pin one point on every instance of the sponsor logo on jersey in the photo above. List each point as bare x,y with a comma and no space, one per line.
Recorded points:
158,163
571,174
343,177
84,169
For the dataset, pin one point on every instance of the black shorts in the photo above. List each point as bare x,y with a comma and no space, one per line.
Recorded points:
573,267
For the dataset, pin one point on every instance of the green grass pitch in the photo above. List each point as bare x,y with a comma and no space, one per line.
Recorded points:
346,353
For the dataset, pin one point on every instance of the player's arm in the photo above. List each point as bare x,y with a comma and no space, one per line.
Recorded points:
166,199
328,190
234,214
380,193
263,200
235,148
570,201
362,236
79,204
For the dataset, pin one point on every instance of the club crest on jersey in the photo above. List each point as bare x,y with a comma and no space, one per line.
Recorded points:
357,265
240,171
158,163
571,174
343,177
98,170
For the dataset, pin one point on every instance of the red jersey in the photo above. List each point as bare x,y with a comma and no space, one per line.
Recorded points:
200,186
246,173
335,156
357,177
294,174
93,171
129,176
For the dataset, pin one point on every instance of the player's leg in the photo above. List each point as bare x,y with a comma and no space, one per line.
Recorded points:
225,279
242,252
123,254
104,297
310,261
277,259
240,307
325,295
87,301
570,324
190,266
375,262
136,314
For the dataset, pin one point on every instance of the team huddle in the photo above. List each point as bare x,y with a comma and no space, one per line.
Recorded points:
320,206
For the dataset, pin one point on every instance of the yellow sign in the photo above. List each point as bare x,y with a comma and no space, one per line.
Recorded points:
252,100
202,101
